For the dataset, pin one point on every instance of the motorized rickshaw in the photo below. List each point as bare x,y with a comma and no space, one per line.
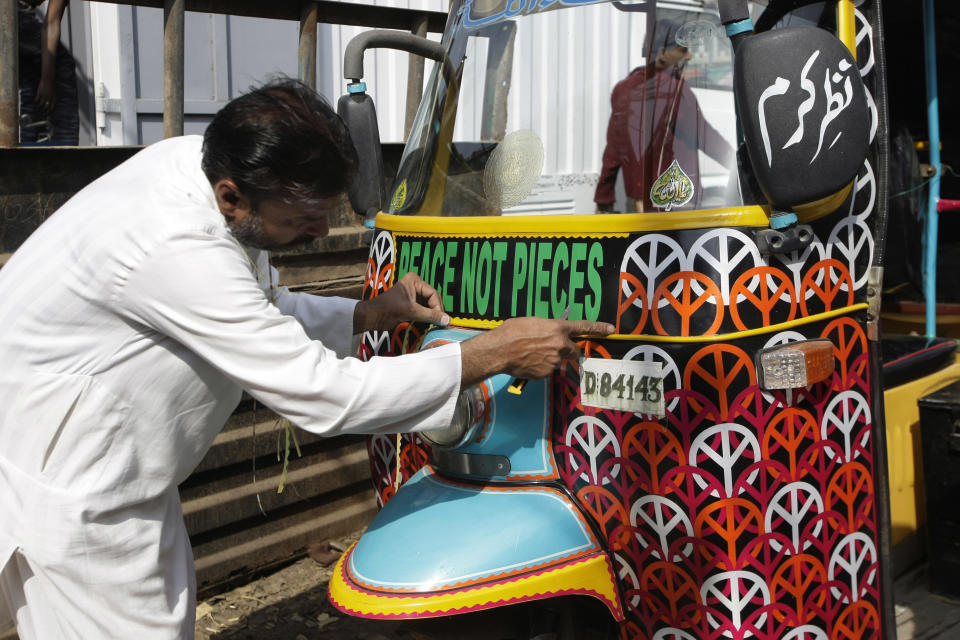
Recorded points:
716,468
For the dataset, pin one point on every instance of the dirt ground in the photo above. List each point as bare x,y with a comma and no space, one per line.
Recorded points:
291,604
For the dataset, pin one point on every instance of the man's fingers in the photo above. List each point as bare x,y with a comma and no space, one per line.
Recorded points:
435,316
587,328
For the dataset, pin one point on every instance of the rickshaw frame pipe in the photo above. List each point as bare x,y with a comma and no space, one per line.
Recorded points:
9,95
933,127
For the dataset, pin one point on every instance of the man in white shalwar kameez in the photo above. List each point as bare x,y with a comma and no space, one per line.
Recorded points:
130,322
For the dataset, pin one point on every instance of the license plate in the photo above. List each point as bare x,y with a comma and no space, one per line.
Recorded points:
622,385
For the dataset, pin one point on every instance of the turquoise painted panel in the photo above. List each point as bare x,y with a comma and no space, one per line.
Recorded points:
434,534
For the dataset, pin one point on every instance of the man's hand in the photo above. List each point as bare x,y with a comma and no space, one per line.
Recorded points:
525,347
410,299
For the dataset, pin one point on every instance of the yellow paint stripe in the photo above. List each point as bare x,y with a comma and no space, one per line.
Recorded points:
847,25
592,576
597,225
468,323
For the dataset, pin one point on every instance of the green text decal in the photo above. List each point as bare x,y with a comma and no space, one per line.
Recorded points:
502,278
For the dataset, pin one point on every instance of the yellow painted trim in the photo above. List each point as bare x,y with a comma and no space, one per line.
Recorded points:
847,25
596,225
810,211
468,323
593,576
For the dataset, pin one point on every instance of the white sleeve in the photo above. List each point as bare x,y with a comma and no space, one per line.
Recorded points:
199,290
328,319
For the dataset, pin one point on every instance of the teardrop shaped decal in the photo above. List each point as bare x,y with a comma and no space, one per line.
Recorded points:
673,188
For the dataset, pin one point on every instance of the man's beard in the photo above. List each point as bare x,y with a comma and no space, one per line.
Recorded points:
249,232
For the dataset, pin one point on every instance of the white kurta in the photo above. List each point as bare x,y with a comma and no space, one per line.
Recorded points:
129,323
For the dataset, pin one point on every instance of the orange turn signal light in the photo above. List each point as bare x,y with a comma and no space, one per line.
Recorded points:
795,364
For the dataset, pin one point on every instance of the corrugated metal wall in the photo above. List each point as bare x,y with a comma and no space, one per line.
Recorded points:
225,55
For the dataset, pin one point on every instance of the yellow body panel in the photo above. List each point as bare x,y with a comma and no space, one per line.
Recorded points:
593,225
591,576
907,511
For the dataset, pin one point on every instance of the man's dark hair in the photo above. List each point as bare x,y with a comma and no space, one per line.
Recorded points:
281,141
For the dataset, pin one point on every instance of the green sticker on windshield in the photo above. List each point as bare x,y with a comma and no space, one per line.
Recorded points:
399,196
672,189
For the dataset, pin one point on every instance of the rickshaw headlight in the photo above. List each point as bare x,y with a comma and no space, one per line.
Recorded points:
467,415
796,364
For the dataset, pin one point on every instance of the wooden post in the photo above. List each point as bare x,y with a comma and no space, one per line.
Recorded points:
9,72
307,52
173,16
414,77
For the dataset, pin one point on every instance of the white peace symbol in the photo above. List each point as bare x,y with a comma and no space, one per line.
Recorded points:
626,573
864,31
385,451
377,341
845,413
669,370
796,263
738,600
382,253
867,180
794,513
851,248
874,114
662,524
853,564
728,455
592,446
672,634
806,632
722,261
784,337
653,268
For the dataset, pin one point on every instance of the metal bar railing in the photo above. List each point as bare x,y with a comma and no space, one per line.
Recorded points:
308,13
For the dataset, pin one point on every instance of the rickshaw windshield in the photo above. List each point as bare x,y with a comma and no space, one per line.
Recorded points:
574,107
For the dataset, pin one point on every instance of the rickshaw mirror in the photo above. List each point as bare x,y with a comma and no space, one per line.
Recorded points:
356,108
367,192
804,114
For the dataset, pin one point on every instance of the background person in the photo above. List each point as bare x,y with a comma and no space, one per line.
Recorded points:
47,81
655,119
130,322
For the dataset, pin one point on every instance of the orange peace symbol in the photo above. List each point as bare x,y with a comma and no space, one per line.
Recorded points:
849,343
376,281
859,620
764,301
676,585
830,291
791,430
405,338
851,482
609,512
720,366
797,577
652,442
686,305
413,456
624,304
729,518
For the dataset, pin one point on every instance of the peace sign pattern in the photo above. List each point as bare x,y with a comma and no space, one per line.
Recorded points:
743,513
